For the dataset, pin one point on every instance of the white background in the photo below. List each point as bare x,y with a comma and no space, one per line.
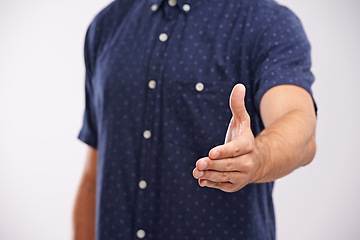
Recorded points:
41,104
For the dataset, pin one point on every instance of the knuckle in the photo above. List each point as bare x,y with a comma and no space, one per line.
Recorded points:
229,166
250,145
236,150
226,176
248,166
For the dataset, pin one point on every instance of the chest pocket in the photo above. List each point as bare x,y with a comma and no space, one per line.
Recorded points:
201,110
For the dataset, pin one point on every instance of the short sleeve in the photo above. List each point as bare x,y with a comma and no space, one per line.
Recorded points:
88,132
282,55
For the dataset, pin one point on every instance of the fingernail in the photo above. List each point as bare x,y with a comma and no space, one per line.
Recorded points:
216,154
201,173
205,165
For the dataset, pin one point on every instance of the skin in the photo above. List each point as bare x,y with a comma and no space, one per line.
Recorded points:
84,209
286,143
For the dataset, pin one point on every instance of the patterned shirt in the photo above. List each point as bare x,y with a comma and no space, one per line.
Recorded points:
158,79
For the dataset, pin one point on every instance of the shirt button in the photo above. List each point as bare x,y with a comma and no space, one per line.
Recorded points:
142,184
152,84
154,7
186,7
199,86
172,3
163,37
147,134
140,233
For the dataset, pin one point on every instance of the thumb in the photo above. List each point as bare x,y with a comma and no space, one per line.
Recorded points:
237,105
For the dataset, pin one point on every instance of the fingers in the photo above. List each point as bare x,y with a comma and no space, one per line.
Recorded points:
229,174
219,173
237,105
235,148
241,164
224,186
225,181
215,176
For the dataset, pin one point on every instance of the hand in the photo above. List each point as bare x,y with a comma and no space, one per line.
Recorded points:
231,166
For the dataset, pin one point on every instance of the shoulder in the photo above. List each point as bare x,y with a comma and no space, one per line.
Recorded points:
274,24
112,13
266,17
105,23
270,12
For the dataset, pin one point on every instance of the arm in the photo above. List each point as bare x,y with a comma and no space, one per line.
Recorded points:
84,209
289,117
287,142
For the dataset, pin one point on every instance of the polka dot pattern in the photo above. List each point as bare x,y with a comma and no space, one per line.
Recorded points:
158,79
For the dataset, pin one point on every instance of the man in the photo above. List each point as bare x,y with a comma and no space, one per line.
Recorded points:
158,79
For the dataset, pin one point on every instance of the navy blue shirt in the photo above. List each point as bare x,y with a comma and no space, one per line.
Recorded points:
158,79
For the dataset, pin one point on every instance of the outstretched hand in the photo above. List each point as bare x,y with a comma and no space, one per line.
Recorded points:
231,166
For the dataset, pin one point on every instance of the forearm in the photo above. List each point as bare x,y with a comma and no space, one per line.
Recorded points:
84,211
285,145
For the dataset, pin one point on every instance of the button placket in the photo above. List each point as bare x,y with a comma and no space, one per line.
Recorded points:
140,234
172,3
199,87
152,84
186,7
149,134
163,37
154,7
142,184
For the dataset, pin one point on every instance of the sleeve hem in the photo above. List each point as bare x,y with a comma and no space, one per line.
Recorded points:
261,93
87,139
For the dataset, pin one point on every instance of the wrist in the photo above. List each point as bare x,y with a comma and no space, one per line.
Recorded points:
262,163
